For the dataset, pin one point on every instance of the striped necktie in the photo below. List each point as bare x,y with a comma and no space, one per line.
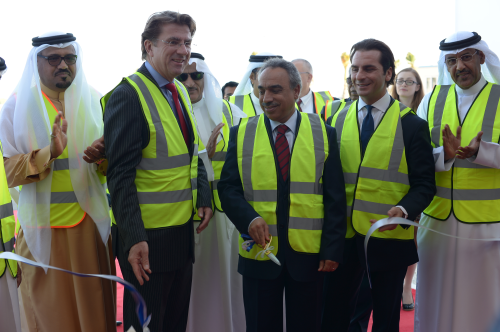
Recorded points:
175,96
283,150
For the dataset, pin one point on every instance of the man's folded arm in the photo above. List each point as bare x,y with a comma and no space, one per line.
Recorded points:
124,132
334,200
230,189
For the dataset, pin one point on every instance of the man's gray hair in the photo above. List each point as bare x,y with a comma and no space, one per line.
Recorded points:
292,71
309,68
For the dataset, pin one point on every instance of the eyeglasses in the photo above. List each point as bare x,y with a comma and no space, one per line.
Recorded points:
450,62
196,76
177,44
304,72
408,82
55,60
348,80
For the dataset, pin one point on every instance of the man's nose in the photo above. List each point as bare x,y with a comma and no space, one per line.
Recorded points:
182,49
267,98
460,64
62,65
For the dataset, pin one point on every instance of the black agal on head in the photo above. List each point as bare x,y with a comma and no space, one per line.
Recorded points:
53,40
197,56
3,66
460,43
262,58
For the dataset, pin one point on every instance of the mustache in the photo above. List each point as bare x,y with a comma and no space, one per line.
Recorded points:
460,72
270,104
62,71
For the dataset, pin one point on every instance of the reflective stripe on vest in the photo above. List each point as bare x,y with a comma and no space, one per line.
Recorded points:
470,191
220,152
383,168
320,99
244,103
166,177
65,211
258,172
7,222
333,107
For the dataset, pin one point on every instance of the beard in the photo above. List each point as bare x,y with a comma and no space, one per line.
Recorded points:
65,84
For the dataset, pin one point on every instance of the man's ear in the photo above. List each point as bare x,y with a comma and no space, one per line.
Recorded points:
296,92
388,74
482,57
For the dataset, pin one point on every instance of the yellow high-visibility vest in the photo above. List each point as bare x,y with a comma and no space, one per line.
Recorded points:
257,165
245,103
65,211
331,108
377,181
470,191
7,222
320,99
166,178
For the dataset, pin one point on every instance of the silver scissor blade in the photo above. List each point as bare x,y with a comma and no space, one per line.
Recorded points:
273,258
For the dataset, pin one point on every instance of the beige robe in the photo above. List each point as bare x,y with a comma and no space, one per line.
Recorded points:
58,301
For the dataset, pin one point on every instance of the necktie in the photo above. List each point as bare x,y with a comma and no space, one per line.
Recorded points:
368,127
282,150
299,103
175,96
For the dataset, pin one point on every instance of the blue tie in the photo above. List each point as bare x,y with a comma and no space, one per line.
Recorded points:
368,127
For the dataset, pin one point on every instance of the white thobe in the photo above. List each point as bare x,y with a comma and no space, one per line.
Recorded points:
256,104
458,281
9,304
217,287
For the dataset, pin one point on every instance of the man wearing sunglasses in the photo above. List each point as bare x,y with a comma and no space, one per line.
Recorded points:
463,114
309,101
246,95
156,180
51,118
216,244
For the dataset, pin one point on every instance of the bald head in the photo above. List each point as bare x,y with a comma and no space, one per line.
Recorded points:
306,75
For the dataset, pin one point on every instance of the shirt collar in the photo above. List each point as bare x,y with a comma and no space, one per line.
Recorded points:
473,90
382,104
291,123
307,98
160,80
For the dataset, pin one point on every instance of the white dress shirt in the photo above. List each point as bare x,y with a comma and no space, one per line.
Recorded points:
256,104
290,137
379,108
307,105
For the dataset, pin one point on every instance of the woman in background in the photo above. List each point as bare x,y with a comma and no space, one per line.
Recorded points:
408,90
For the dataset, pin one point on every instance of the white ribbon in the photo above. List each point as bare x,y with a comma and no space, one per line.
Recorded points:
402,221
263,252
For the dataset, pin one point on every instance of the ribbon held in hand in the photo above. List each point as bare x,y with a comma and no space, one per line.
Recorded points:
267,251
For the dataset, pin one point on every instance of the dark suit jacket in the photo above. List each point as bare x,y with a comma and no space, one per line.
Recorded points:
386,254
302,267
126,134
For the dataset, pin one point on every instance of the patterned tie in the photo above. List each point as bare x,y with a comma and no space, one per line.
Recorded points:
299,103
368,127
283,151
175,96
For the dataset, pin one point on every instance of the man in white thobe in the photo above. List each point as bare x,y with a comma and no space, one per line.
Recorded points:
217,290
458,280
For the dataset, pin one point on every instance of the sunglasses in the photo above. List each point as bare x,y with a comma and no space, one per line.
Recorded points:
55,60
196,76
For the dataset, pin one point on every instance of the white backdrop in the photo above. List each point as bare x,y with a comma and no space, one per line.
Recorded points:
228,32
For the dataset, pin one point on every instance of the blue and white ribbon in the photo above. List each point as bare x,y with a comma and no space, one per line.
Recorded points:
402,221
140,304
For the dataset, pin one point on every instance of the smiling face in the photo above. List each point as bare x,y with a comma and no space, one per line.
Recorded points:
276,97
405,90
194,87
368,75
466,73
56,78
167,60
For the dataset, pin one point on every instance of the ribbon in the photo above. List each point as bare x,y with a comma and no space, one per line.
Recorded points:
264,252
140,304
399,221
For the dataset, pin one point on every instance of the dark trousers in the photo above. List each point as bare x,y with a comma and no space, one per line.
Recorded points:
341,292
167,298
264,303
364,306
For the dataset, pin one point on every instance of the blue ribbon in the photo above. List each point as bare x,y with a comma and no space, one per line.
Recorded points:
140,304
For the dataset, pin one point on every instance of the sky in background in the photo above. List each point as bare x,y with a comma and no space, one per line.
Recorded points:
227,33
